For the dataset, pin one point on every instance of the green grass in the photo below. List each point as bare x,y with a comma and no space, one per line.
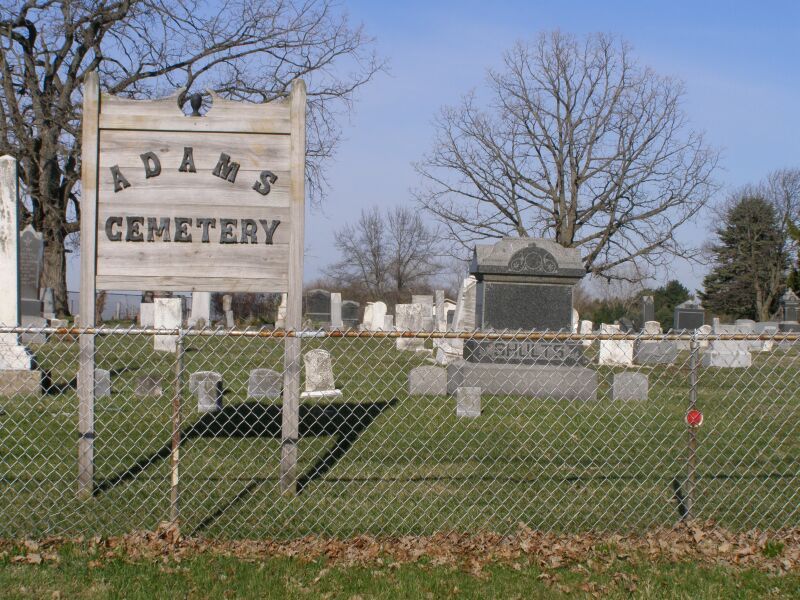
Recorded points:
77,575
394,464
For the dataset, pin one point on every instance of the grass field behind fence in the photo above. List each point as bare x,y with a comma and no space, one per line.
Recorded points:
379,461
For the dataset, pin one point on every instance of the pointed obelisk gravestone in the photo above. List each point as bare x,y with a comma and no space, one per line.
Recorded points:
17,367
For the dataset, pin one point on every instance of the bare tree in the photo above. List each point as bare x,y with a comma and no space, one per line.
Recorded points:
390,255
242,49
579,143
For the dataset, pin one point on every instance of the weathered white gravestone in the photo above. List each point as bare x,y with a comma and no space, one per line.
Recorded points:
441,314
468,402
464,317
319,375
16,363
147,314
409,317
585,328
207,386
615,352
201,309
336,311
168,315
264,383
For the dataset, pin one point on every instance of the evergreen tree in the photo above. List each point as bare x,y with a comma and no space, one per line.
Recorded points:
750,261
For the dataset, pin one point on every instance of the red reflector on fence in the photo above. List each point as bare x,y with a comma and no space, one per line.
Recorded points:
694,418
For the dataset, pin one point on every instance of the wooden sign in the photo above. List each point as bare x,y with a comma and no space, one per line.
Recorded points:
171,202
199,203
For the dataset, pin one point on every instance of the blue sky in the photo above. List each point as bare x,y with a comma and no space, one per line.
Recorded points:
739,61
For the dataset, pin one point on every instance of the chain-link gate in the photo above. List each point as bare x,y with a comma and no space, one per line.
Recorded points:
403,433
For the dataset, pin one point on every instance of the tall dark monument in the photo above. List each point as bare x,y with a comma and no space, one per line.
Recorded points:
525,284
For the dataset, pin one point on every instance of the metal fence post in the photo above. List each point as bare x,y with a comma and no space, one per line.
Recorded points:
176,429
694,347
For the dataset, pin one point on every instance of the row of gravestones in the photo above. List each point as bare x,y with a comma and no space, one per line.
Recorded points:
327,309
208,386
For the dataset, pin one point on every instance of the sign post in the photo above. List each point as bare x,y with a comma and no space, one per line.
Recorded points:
201,203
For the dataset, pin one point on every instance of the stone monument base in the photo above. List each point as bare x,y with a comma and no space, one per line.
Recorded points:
533,381
727,360
655,352
21,383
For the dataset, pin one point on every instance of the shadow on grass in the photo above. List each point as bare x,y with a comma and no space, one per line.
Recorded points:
256,420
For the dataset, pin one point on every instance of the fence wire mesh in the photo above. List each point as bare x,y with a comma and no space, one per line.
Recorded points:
566,432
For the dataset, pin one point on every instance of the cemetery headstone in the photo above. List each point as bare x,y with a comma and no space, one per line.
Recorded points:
198,376
319,375
17,366
614,352
427,381
147,314
318,307
350,314
264,383
576,321
388,323
464,315
374,314
468,402
727,354
789,304
525,284
148,386
439,308
689,315
31,253
280,319
648,309
102,383
585,328
168,314
629,386
209,393
201,309
653,352
366,324
336,311
409,317
427,301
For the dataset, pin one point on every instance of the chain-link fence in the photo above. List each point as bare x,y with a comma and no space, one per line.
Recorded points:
401,433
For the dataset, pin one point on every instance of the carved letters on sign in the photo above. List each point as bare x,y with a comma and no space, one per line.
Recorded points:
161,229
224,169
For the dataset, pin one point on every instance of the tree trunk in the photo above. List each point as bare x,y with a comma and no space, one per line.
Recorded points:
51,221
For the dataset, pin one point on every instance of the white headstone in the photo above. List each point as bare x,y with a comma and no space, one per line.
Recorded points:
366,322
319,375
652,328
388,323
378,321
409,317
201,309
280,319
615,352
586,327
464,318
468,402
168,314
336,311
441,314
576,321
13,356
728,354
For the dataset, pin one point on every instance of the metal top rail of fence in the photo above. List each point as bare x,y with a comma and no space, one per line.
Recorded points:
400,432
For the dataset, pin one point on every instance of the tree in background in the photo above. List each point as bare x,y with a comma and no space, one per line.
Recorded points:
749,260
580,144
391,254
793,281
243,49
